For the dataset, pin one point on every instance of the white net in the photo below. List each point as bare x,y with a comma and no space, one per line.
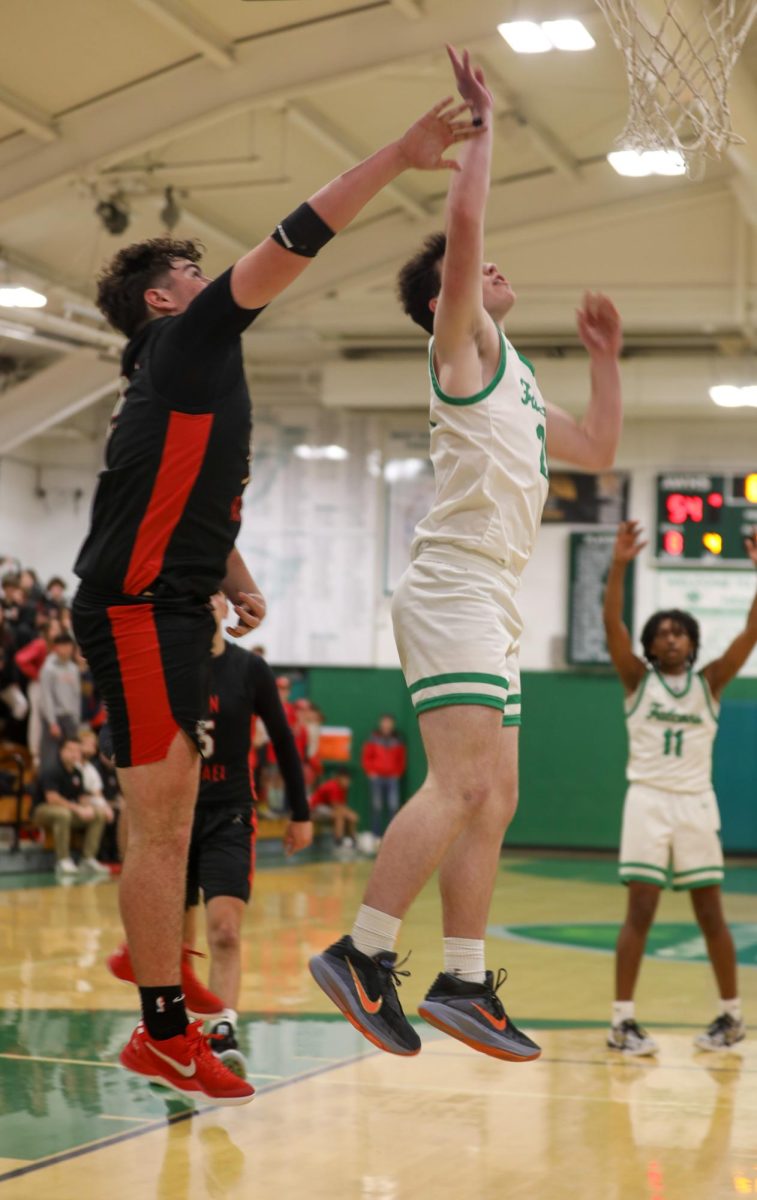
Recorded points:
679,65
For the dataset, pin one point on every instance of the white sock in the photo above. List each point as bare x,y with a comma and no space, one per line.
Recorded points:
229,1014
731,1008
464,957
374,930
623,1010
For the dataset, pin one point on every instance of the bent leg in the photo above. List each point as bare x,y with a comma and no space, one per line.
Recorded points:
160,798
58,820
469,868
462,748
224,916
643,899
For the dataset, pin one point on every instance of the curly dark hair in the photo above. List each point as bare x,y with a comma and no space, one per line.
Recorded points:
689,624
121,286
420,280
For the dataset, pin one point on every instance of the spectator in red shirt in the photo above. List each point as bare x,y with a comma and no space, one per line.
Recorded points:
329,802
384,761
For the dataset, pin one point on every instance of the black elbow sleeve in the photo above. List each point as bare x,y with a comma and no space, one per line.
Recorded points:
303,232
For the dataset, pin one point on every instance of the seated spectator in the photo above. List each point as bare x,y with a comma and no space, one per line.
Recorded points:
60,805
56,592
384,760
102,790
329,802
20,612
60,697
91,777
30,583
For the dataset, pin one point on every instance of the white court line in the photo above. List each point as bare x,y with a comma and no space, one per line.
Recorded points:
69,1062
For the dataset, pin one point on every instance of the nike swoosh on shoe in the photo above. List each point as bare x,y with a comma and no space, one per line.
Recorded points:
179,1068
499,1023
370,1006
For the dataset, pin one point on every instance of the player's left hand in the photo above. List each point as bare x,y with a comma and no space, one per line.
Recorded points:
599,326
750,544
250,612
298,836
424,144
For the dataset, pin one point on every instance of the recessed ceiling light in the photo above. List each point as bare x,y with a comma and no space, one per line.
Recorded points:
568,34
525,37
728,395
638,163
21,297
530,37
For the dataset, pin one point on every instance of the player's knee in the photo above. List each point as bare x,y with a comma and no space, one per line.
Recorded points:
473,796
641,912
709,917
223,935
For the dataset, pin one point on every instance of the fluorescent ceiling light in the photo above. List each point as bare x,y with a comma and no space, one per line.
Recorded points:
528,37
727,395
568,34
319,453
20,297
638,163
525,37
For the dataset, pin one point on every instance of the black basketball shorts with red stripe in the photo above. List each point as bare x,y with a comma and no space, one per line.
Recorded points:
151,664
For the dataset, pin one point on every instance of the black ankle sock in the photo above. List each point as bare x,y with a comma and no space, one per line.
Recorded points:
163,1011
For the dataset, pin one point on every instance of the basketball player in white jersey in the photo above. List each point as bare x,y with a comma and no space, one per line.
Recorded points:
670,808
456,621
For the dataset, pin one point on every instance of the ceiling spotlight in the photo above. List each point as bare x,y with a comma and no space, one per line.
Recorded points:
14,296
728,395
114,213
170,213
638,163
530,37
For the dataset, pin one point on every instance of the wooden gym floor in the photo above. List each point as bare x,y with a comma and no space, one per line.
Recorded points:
333,1117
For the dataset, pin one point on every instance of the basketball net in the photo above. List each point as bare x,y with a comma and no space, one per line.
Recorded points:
678,73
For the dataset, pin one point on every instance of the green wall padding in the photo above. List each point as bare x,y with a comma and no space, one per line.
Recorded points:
572,752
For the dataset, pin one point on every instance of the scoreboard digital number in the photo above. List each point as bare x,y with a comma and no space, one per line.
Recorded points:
704,518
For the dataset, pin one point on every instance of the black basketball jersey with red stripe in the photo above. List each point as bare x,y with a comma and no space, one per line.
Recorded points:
167,508
243,686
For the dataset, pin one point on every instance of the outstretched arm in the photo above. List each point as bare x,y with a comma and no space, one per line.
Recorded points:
593,441
722,670
463,333
629,666
261,275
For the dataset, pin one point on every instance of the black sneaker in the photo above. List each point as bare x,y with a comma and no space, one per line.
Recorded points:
365,991
473,1013
631,1038
724,1032
223,1043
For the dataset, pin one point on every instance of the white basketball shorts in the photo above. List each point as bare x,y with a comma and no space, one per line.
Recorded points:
660,827
457,629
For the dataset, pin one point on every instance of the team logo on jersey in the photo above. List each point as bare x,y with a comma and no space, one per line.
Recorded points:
656,712
528,397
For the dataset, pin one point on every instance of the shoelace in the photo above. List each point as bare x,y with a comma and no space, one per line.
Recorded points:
494,1000
720,1024
393,969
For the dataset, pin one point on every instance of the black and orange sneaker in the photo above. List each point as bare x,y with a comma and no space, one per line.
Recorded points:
473,1013
365,991
187,1065
199,1001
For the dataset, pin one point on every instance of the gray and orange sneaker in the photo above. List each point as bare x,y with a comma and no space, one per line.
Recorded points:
474,1014
365,992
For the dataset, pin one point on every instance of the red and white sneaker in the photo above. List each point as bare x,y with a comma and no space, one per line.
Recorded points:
186,1064
199,1001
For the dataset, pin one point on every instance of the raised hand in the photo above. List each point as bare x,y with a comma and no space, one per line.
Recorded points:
471,85
424,144
599,326
628,542
750,544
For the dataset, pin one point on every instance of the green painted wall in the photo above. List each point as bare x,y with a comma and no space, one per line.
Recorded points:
573,750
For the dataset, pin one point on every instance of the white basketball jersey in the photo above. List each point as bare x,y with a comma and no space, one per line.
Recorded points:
672,722
490,464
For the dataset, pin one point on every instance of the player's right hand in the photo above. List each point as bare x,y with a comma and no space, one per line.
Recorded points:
628,542
471,84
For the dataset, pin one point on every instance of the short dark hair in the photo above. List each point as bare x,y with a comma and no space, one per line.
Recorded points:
689,624
63,639
121,286
56,579
420,281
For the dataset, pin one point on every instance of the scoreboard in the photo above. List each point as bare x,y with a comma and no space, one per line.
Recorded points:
704,518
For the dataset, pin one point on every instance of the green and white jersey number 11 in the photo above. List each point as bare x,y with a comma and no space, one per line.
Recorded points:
672,742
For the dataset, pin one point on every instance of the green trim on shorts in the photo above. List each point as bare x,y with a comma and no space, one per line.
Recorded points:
660,883
630,870
458,677
515,698
458,698
705,881
511,721
699,871
487,391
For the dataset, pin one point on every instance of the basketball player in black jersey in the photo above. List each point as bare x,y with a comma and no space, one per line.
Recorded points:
222,849
164,521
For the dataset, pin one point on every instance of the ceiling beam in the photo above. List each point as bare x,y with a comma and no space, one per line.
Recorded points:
316,126
272,70
30,118
66,387
412,9
193,28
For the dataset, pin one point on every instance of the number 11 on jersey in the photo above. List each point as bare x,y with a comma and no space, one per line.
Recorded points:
541,433
672,742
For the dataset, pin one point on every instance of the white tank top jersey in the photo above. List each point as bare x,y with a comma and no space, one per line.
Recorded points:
672,722
490,464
